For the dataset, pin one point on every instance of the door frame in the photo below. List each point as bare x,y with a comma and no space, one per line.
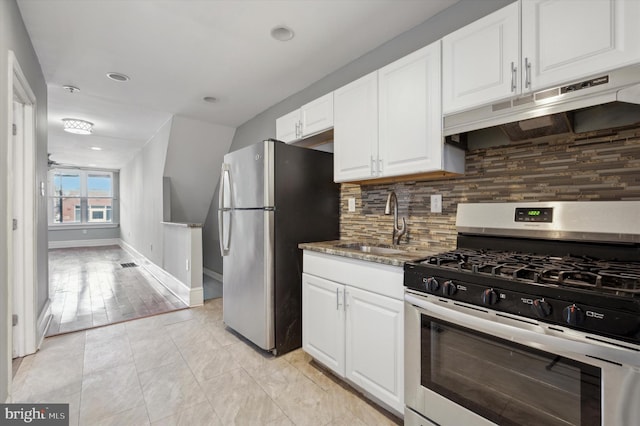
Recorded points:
21,189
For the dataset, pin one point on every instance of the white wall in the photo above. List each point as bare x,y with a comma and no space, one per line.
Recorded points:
13,36
195,154
189,152
141,197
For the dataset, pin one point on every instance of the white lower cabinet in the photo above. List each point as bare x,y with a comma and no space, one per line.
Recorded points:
356,332
374,337
323,315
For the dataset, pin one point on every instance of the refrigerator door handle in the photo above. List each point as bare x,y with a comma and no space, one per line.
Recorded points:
225,237
225,232
224,184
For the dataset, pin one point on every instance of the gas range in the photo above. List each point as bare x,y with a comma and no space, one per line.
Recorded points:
533,319
551,262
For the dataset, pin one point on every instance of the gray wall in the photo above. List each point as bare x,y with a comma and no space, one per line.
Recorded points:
13,36
92,232
194,156
263,125
211,256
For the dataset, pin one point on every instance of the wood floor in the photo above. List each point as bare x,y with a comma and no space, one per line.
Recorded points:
90,288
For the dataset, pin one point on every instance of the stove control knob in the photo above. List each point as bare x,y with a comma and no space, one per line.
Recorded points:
432,284
490,297
573,315
541,308
449,288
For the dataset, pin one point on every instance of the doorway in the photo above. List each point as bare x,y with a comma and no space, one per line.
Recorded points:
22,207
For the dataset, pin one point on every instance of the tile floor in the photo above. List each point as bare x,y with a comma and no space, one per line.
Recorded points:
91,288
184,368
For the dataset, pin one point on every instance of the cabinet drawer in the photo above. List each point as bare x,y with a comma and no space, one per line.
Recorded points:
370,276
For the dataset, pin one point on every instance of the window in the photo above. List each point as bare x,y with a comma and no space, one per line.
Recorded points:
80,197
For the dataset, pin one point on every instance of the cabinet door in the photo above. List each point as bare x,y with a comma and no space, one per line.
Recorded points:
410,120
480,61
317,116
375,345
355,130
323,321
288,127
564,40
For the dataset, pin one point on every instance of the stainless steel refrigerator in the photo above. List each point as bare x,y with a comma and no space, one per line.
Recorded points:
273,196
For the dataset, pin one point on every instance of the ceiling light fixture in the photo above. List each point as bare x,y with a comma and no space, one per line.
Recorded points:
96,148
116,76
282,33
210,99
71,89
79,127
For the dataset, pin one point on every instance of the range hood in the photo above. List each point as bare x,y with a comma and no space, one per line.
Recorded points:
612,88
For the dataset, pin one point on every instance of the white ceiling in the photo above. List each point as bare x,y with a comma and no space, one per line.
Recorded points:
178,51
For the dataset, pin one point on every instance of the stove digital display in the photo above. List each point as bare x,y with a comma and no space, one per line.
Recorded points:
543,214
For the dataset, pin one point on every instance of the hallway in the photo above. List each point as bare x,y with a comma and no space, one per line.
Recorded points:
184,368
90,287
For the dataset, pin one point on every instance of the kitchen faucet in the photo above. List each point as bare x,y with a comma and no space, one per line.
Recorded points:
398,231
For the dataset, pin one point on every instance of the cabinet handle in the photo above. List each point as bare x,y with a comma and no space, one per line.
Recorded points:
337,299
373,167
379,166
514,76
527,70
297,129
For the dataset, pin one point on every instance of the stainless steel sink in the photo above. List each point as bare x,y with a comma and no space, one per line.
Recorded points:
371,248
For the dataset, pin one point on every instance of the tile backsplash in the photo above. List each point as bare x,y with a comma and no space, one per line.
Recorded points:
566,167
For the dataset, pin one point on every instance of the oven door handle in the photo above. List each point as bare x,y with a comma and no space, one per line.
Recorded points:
534,338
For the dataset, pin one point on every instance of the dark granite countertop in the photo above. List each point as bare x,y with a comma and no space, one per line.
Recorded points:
337,248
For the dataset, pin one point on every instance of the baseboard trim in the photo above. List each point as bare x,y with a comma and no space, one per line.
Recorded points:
196,297
213,274
190,296
44,321
84,243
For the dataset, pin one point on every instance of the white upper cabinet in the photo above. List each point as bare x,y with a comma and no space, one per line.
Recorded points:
389,123
310,119
288,127
317,116
410,114
563,40
537,44
480,62
355,132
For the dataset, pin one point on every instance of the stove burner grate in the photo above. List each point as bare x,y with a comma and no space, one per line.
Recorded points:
620,278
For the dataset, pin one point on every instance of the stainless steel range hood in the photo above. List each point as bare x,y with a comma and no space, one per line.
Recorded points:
621,85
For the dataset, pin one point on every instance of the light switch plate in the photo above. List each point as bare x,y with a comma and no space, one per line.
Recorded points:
436,203
351,201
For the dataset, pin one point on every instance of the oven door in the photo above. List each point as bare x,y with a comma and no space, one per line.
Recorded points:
467,365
